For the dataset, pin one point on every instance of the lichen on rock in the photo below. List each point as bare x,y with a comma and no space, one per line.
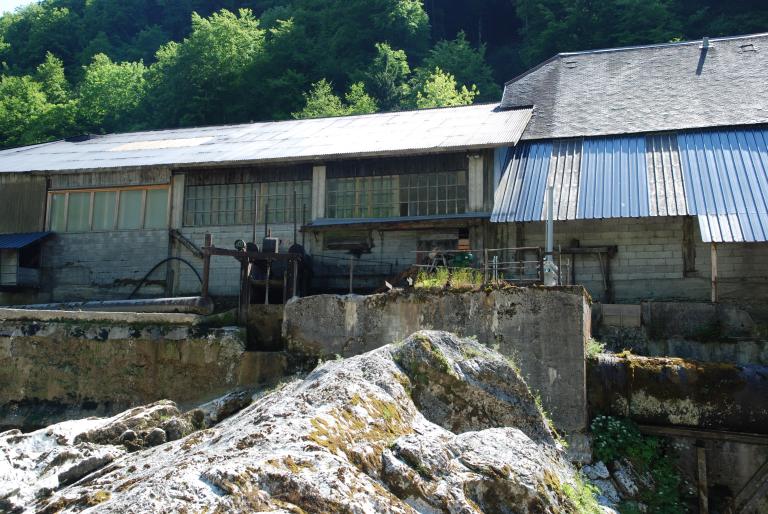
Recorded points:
435,424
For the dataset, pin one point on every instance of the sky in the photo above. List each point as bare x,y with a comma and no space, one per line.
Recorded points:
10,5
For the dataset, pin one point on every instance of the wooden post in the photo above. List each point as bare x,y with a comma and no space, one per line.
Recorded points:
351,271
701,460
295,276
245,291
485,266
285,284
713,258
206,264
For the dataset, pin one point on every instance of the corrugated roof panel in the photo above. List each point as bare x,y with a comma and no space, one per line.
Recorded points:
445,129
613,178
16,241
518,197
726,174
666,189
564,175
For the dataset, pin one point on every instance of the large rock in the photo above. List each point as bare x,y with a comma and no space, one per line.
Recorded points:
388,431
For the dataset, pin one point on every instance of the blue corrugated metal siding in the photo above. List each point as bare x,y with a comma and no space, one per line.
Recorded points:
518,197
613,181
666,188
564,174
16,241
726,173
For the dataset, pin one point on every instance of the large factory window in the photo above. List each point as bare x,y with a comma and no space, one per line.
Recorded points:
233,204
109,209
422,194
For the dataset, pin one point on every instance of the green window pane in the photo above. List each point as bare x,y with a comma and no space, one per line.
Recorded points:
157,209
104,210
129,215
57,212
78,211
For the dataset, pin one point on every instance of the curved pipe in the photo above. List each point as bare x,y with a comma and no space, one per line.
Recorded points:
141,283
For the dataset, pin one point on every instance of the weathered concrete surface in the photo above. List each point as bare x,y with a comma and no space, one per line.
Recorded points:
264,327
59,370
671,391
351,438
105,317
543,329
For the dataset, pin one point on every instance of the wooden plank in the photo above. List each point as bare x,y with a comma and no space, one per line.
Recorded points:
713,259
701,466
711,435
256,256
755,490
206,264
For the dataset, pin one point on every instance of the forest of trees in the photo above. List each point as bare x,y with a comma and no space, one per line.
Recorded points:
74,66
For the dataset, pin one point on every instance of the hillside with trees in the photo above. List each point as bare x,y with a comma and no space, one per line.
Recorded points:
76,66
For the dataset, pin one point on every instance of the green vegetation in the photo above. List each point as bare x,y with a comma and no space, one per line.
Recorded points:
614,439
461,278
583,496
75,66
594,348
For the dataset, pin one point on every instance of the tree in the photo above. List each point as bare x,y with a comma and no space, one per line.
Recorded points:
201,79
387,77
465,63
50,74
22,106
111,93
440,90
322,102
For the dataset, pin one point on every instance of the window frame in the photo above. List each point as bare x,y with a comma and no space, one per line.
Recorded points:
115,221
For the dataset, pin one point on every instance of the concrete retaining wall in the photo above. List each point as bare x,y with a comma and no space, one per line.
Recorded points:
543,330
52,371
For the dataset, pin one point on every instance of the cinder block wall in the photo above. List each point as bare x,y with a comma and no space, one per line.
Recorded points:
649,262
103,265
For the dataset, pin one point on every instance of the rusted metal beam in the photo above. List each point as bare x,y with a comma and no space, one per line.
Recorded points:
255,256
187,243
713,260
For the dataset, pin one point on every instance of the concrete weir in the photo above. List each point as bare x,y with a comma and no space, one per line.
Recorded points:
58,365
544,330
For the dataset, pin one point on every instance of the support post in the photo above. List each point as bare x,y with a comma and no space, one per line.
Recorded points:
245,291
295,277
351,271
485,266
208,243
701,460
713,259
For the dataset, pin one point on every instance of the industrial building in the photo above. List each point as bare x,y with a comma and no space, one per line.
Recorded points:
657,157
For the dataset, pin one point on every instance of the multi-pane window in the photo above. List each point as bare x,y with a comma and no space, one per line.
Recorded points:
109,209
234,204
397,195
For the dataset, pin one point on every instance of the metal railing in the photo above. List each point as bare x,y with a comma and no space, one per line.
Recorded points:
518,265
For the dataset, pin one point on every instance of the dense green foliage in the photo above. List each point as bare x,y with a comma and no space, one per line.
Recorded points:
71,66
615,439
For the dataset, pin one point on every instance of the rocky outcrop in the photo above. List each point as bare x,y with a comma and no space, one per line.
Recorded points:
434,424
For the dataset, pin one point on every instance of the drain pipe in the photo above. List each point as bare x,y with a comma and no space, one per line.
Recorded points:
550,269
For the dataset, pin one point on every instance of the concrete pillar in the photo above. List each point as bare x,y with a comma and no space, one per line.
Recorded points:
177,201
475,182
318,192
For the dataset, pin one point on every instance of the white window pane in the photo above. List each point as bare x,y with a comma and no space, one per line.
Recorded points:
157,209
129,216
78,211
104,210
57,212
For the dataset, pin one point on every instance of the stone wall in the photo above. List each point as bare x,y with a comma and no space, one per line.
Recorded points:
51,371
543,330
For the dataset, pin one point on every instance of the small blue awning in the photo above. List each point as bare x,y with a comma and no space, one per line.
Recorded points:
17,241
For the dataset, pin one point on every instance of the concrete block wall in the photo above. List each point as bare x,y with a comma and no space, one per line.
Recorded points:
649,262
102,265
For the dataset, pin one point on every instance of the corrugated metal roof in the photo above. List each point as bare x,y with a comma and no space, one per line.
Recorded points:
719,176
592,178
428,130
16,241
726,173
